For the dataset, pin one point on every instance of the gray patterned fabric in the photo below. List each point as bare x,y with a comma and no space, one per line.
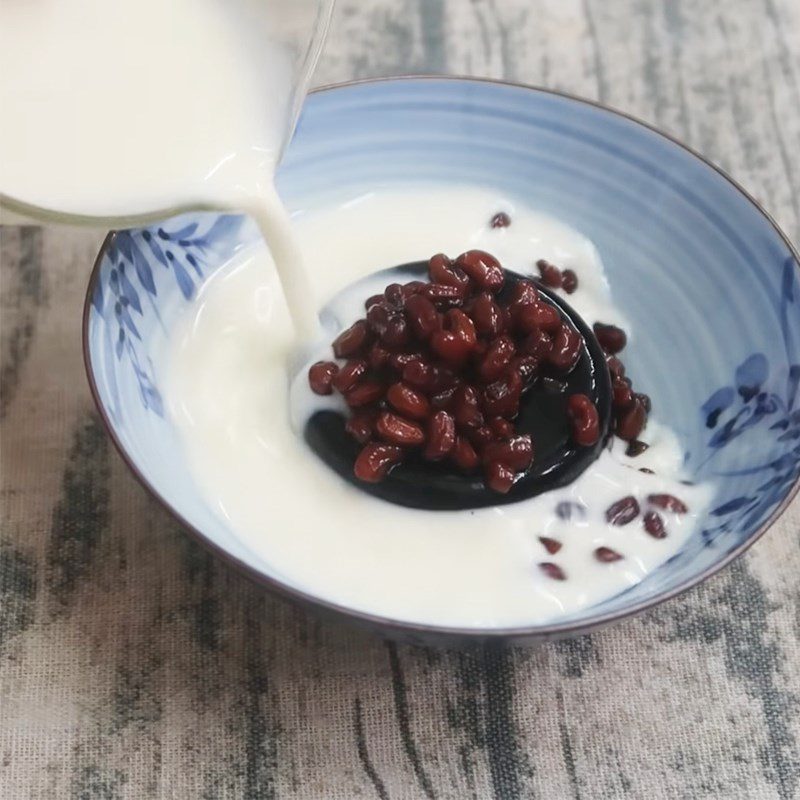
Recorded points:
134,665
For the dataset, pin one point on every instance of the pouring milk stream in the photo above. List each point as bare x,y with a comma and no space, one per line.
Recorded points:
123,110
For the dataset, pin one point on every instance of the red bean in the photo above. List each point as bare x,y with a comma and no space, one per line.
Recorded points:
408,402
567,346
668,502
611,338
483,269
460,324
526,366
441,436
551,545
500,220
516,452
538,345
375,461
585,420
553,571
499,477
442,270
395,296
365,394
352,341
551,274
349,375
414,287
623,511
501,428
450,347
501,398
378,316
396,430
374,300
569,282
466,408
537,316
444,399
480,437
630,423
606,555
487,315
615,367
636,448
419,374
444,296
399,361
321,375
378,356
422,316
361,426
498,357
524,292
463,455
644,399
654,525
622,395
396,333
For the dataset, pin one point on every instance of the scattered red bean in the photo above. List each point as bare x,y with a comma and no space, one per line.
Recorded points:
654,525
375,461
585,420
480,437
612,339
567,509
668,502
551,274
630,423
500,220
553,571
623,511
569,282
321,375
395,295
551,545
374,300
615,367
636,448
501,398
622,394
538,345
606,555
644,399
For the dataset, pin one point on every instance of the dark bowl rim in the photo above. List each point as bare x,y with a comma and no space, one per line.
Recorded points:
531,632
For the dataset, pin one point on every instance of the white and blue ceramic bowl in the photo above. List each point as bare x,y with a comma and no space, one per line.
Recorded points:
701,271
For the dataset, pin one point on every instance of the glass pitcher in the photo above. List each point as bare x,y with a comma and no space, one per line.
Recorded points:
87,86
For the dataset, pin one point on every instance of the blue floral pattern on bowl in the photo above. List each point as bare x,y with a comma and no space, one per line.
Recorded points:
720,356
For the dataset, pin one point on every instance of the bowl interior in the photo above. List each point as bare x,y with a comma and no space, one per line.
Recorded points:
709,284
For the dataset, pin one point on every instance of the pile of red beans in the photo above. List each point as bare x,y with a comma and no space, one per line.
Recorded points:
437,368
